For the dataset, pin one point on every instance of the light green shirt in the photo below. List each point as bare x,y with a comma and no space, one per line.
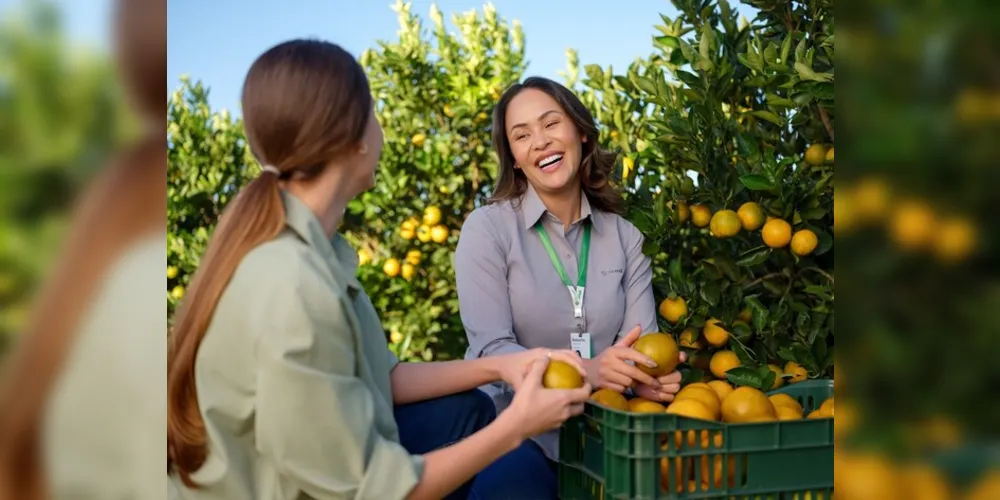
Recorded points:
293,379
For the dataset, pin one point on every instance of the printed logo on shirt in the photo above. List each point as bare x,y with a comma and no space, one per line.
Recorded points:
612,271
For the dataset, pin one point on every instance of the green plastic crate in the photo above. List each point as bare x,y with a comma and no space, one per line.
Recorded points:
608,454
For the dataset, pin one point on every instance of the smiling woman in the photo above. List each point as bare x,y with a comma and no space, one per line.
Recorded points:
551,263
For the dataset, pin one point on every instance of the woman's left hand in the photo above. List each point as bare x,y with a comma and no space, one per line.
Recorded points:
514,367
670,384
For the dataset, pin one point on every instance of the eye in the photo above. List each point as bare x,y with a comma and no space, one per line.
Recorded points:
552,124
518,137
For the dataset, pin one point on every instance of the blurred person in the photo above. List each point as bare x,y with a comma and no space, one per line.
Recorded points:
551,263
83,388
280,381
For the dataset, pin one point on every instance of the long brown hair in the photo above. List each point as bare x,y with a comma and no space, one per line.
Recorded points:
123,204
305,103
595,168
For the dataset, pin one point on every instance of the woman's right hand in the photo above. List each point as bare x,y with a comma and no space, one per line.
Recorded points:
536,409
610,370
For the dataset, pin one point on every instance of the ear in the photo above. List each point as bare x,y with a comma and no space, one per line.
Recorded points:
363,148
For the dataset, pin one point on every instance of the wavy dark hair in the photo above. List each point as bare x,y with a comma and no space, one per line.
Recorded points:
595,167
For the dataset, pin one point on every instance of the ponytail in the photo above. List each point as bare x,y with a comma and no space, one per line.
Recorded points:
255,216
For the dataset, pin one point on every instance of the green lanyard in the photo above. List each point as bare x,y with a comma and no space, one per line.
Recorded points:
575,292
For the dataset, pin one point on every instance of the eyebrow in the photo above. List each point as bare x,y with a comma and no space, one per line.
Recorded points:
541,117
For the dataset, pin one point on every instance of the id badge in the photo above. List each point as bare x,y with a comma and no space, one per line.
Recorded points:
580,342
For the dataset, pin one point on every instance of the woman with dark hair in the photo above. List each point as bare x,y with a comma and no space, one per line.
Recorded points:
550,262
280,383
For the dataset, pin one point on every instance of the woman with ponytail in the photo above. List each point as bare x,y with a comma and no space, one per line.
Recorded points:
280,383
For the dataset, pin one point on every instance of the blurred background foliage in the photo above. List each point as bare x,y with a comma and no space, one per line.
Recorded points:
53,137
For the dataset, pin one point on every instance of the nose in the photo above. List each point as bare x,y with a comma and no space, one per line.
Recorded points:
540,142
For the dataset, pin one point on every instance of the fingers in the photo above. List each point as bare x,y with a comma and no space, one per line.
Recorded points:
633,355
683,356
671,378
638,375
538,367
631,337
572,358
671,388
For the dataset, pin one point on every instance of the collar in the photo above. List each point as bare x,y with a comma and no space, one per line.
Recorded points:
534,209
341,258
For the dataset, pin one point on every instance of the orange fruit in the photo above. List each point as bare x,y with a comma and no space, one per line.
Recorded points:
689,338
439,234
561,375
781,399
804,242
610,399
692,408
408,271
391,267
816,154
778,381
787,413
662,349
751,216
797,372
746,405
722,362
701,215
725,224
776,233
721,388
641,405
432,216
706,396
673,309
715,334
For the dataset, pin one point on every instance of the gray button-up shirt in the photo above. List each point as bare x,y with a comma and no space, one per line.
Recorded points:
511,297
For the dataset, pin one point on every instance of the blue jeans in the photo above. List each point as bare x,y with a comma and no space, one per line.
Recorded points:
523,474
426,426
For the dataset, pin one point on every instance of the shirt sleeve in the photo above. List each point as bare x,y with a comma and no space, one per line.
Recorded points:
315,418
481,279
640,303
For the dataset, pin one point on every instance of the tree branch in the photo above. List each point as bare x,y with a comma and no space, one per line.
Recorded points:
826,122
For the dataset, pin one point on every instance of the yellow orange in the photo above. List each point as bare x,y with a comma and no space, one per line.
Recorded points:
701,215
751,216
714,333
725,224
722,362
776,233
797,372
391,267
804,242
746,405
673,309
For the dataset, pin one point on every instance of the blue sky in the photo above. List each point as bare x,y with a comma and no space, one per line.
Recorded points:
216,41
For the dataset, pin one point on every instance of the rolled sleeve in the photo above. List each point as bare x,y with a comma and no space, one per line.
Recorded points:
640,303
481,279
315,419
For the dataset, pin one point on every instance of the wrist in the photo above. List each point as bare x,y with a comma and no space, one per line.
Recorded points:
509,429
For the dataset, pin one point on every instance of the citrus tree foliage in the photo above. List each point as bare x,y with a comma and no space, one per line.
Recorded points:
61,116
208,162
728,125
435,92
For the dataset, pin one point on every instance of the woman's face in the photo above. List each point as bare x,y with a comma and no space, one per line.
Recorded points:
544,141
368,160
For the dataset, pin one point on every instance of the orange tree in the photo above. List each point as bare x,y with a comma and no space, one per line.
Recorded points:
435,96
726,133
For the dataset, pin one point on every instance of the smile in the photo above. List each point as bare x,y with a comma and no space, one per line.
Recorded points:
550,163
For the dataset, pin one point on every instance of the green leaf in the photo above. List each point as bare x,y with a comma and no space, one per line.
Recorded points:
808,74
768,377
667,41
754,257
594,72
824,242
786,46
779,102
748,377
710,293
675,270
689,78
646,85
756,182
769,116
758,312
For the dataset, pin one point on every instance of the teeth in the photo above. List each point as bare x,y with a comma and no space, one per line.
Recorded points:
549,160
